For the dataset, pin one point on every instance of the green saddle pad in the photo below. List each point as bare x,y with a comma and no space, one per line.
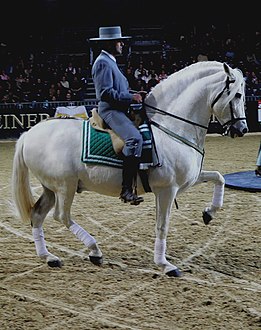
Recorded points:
97,147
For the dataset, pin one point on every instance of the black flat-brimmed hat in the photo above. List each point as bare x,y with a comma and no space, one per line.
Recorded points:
110,33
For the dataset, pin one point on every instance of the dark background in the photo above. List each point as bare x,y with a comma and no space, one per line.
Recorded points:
44,18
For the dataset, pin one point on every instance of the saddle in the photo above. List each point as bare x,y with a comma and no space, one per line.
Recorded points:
98,123
137,114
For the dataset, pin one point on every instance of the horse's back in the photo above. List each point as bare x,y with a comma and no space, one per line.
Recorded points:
55,128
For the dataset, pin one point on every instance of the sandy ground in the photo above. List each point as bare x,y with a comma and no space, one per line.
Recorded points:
221,285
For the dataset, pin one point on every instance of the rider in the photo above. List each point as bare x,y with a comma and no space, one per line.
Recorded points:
114,99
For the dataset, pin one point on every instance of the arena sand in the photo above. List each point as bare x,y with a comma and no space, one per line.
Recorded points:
221,283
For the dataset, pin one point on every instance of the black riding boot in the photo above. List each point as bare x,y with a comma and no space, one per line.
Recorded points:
129,174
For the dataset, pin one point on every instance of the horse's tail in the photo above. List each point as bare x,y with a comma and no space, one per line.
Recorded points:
21,189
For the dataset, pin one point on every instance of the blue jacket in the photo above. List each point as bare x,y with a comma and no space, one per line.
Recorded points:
111,86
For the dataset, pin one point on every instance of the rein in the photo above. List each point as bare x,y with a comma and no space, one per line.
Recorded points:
182,139
174,116
178,137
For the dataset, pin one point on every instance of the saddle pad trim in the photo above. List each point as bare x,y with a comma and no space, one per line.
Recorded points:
88,157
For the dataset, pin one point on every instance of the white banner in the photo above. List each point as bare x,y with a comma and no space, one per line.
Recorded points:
74,111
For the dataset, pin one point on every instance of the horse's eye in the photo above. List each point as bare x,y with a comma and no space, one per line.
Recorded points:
238,95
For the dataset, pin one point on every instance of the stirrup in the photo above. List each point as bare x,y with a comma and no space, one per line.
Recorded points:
128,196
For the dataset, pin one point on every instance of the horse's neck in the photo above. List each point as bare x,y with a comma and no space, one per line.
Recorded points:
184,99
184,94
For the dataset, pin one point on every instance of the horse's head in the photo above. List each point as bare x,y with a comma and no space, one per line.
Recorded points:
229,105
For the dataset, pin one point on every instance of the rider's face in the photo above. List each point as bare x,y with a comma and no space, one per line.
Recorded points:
119,45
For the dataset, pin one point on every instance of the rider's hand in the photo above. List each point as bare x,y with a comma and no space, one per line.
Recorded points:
137,98
143,94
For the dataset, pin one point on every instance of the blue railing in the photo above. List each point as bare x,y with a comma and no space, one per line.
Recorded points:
46,104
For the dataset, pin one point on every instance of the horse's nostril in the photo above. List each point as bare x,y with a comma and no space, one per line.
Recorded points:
245,130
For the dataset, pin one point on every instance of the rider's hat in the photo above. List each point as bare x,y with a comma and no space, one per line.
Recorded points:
110,33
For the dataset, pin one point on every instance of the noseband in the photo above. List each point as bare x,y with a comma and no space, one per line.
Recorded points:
233,120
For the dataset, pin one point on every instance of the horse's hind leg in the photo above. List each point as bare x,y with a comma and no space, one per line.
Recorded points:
39,212
62,214
218,193
164,201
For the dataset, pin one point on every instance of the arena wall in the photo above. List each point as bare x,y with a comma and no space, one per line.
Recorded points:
15,119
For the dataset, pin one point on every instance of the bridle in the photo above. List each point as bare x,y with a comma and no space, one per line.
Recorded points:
227,126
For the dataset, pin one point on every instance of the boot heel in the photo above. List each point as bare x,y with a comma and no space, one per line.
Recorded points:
137,201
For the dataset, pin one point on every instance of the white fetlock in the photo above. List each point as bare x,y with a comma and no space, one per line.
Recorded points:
95,251
169,267
51,260
212,210
170,270
95,255
161,261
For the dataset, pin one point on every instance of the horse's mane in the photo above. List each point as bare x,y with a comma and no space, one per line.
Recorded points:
180,80
190,72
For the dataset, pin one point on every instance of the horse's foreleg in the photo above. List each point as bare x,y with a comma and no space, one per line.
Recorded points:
39,212
218,193
164,202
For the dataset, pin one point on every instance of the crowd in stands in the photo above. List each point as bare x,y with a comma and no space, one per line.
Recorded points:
30,80
49,77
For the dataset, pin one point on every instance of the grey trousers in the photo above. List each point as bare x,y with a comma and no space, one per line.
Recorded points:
125,128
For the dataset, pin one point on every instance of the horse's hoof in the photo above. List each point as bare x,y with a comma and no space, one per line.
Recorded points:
97,261
174,273
206,217
55,263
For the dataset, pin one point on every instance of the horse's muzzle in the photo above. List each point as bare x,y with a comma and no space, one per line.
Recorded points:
237,129
236,133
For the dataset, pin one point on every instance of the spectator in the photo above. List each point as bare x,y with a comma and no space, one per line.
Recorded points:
140,85
68,96
144,76
76,89
70,71
19,81
139,71
39,91
64,85
26,90
152,73
4,76
5,80
131,79
10,97
162,75
52,90
153,81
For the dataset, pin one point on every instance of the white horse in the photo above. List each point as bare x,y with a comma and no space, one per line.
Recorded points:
179,110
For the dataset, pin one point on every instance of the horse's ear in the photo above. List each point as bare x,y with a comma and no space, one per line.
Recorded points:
228,70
